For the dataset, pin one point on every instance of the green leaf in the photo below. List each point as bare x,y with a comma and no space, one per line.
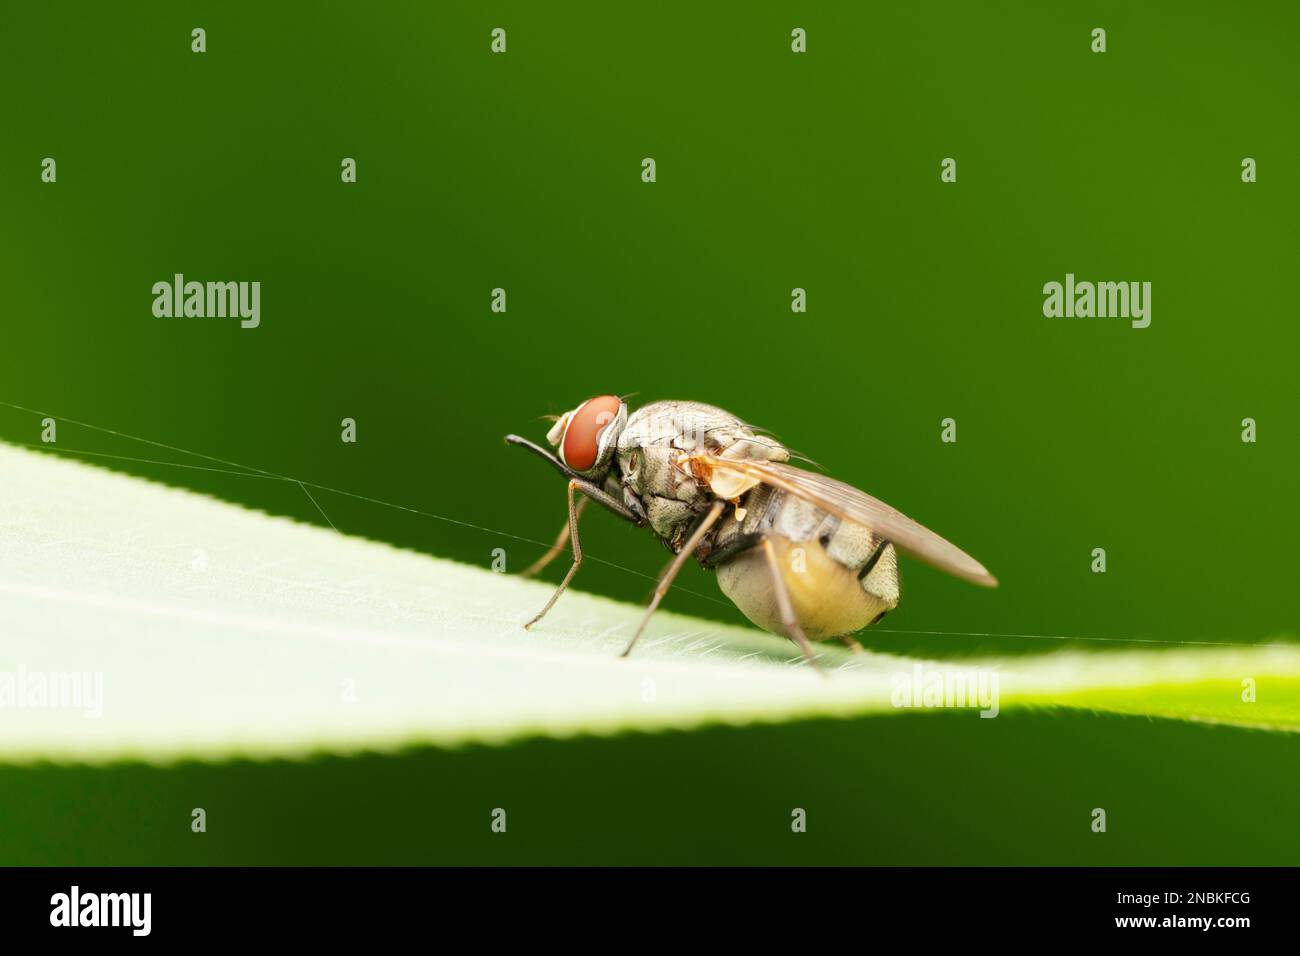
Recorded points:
218,632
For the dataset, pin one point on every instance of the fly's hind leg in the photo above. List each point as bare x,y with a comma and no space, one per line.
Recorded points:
557,548
601,497
666,579
783,604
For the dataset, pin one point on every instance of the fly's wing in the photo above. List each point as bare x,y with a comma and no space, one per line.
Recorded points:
849,504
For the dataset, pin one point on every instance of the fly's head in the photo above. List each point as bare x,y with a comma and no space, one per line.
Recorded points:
587,437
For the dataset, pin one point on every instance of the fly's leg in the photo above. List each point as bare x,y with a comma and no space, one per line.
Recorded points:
783,604
851,643
666,580
602,498
660,576
557,548
574,511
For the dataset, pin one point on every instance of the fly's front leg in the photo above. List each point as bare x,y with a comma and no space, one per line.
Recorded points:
783,604
557,548
666,581
602,498
574,512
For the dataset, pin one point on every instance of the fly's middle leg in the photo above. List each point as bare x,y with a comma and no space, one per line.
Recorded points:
659,577
666,580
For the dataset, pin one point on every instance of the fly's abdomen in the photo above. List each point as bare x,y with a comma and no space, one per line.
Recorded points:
841,577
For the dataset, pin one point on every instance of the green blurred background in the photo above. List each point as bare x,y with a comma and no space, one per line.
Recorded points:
775,171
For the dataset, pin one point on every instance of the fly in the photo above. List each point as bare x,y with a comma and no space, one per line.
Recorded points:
801,554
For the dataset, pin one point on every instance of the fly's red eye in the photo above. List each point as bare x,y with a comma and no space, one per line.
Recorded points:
582,436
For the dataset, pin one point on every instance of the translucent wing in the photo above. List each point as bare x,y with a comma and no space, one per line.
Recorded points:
850,504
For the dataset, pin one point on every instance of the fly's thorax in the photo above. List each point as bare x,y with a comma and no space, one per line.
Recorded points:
652,448
693,428
652,485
